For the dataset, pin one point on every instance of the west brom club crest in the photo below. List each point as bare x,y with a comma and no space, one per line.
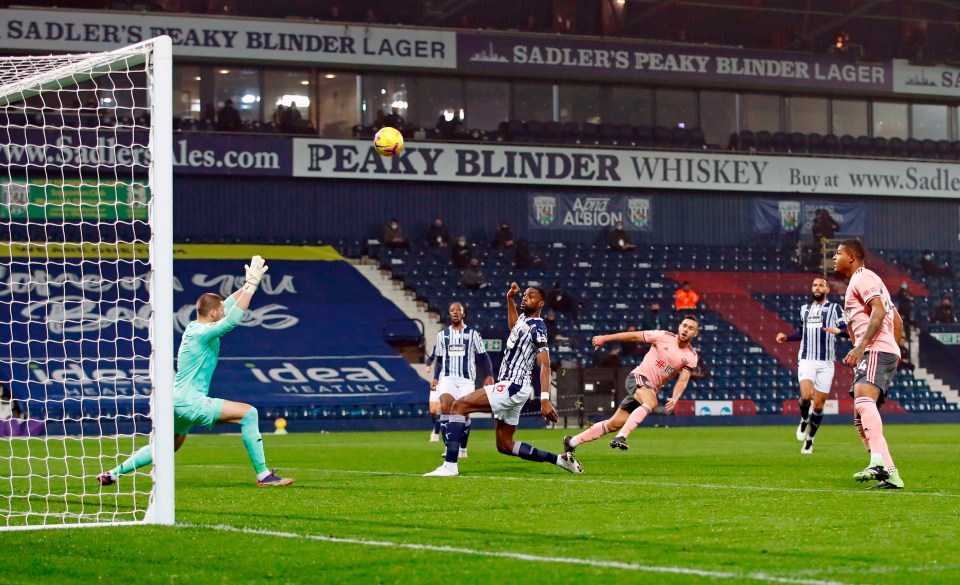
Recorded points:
545,209
639,211
789,215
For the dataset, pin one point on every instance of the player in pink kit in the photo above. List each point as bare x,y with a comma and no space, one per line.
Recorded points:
670,356
875,327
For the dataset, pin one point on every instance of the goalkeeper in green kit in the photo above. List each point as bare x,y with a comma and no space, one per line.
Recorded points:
197,359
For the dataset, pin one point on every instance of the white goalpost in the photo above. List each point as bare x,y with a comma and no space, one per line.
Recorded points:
86,286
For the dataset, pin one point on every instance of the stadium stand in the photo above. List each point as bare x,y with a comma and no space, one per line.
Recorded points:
739,321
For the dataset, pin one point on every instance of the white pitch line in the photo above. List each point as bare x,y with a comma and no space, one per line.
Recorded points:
563,478
757,576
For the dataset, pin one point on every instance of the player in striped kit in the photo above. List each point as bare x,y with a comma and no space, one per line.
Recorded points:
457,351
822,322
526,347
875,328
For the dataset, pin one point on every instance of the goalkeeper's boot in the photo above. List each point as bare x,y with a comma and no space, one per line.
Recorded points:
567,447
875,473
274,480
619,442
106,479
893,482
568,462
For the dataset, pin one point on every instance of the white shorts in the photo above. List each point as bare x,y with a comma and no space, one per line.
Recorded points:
434,395
454,386
507,400
821,372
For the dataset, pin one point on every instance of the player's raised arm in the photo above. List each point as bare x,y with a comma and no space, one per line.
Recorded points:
511,305
254,273
600,340
236,305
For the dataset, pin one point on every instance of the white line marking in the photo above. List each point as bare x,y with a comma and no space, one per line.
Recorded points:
758,576
564,478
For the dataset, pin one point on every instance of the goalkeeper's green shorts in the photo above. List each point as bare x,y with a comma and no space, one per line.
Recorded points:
195,410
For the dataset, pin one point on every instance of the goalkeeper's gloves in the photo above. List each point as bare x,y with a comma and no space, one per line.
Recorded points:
255,271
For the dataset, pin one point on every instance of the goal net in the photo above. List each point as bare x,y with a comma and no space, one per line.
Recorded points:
86,301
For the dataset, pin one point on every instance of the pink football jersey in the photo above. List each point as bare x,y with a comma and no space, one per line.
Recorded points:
864,286
665,358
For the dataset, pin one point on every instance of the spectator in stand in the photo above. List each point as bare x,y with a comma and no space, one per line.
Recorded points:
395,120
379,119
653,320
228,118
449,125
561,301
292,120
437,235
393,235
824,226
686,299
473,277
944,313
460,252
553,329
277,118
905,300
930,266
503,237
525,257
530,24
620,239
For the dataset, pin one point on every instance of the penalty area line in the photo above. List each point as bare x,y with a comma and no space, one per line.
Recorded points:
754,576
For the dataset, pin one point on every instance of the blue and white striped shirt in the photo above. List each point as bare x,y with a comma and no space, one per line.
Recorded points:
456,351
817,344
527,338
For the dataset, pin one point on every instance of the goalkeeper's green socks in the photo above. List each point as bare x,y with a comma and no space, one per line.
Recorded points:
250,431
143,456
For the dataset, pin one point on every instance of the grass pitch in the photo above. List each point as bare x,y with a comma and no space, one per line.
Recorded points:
684,505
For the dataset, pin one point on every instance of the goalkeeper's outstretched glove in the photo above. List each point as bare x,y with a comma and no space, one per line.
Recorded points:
255,271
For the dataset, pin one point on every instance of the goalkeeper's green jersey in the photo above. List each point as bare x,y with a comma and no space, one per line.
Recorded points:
200,350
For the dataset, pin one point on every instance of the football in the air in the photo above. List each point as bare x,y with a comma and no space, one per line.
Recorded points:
388,141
